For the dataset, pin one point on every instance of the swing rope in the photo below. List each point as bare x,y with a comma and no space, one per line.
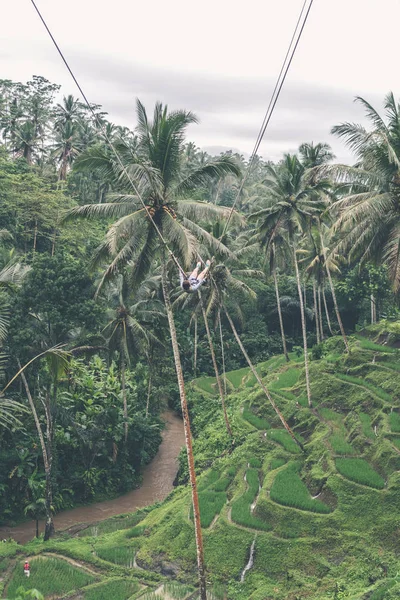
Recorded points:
297,33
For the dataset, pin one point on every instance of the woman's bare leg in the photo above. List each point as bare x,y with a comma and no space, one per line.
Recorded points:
203,274
194,274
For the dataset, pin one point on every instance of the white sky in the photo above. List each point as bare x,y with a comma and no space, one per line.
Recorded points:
218,58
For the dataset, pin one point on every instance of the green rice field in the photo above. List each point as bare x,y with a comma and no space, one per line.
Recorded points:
358,470
288,489
52,576
241,508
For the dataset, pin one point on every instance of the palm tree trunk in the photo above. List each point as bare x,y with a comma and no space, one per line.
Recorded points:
327,312
49,528
278,302
316,315
373,309
37,528
259,381
35,235
148,394
188,435
303,327
219,384
222,350
195,348
124,397
335,304
320,314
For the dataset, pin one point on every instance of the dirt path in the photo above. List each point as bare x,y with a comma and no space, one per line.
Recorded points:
158,480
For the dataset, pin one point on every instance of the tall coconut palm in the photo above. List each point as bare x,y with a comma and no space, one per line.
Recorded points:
127,332
277,256
368,215
330,265
313,155
26,141
293,201
67,144
57,364
156,168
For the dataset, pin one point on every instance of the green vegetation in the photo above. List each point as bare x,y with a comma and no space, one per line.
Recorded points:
282,437
254,462
212,496
118,589
211,504
288,489
366,425
136,531
337,440
237,377
330,415
119,555
380,592
367,344
358,470
361,382
394,420
254,420
276,463
241,508
172,591
113,524
287,379
340,445
207,384
52,576
396,442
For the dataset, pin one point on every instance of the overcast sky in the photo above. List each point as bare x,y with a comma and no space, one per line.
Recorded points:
218,58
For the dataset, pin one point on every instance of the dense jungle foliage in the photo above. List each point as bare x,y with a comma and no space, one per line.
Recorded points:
303,251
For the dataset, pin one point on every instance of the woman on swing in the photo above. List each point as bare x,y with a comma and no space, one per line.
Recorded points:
195,280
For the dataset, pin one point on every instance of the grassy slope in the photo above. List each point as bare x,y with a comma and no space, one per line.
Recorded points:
351,546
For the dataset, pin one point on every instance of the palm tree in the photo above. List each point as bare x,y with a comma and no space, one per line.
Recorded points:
330,265
67,126
368,215
277,251
57,364
156,169
314,155
69,111
66,147
11,277
126,331
293,201
26,141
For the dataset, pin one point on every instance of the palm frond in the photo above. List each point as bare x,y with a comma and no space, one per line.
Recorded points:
207,239
204,211
107,210
217,168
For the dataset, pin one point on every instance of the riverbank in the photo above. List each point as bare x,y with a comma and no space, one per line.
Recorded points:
158,478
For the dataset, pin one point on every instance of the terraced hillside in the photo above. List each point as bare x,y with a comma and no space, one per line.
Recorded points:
320,524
